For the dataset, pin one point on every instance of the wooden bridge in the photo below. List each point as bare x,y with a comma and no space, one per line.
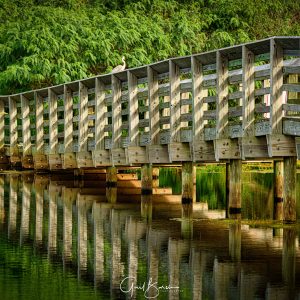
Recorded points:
232,104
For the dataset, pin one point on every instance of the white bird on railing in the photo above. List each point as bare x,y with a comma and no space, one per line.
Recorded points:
119,68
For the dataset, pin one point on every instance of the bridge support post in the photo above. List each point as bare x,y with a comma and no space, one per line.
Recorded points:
289,189
188,177
146,179
111,184
278,190
235,188
155,177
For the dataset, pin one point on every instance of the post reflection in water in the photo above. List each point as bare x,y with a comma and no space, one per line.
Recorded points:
26,195
2,209
178,250
52,223
13,201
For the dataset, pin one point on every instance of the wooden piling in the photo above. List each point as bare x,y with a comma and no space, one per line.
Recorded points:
155,177
187,182
146,179
289,189
111,184
235,188
278,190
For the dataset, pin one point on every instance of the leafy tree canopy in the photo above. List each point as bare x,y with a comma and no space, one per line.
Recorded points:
47,42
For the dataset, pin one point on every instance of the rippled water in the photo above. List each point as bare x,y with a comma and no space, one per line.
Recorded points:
58,241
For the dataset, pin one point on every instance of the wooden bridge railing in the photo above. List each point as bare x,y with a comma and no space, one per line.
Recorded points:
233,103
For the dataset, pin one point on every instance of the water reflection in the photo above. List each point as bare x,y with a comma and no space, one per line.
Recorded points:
165,250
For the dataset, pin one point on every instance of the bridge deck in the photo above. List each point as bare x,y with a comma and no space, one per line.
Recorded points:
241,102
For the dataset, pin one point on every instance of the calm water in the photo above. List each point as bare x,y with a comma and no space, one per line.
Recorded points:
58,241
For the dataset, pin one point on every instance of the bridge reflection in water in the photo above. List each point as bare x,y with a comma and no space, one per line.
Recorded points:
107,244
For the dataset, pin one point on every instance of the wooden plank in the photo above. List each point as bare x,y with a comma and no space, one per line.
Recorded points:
55,161
281,145
68,160
154,105
137,155
68,119
254,147
26,126
248,93
101,158
222,96
291,107
262,128
227,149
133,110
84,159
83,118
291,126
276,81
158,154
118,156
203,151
175,123
291,88
179,152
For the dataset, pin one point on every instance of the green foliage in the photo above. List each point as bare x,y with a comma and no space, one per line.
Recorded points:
47,42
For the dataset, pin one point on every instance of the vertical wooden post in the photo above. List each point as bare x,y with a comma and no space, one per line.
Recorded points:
276,81
155,177
187,182
83,118
278,190
235,188
4,163
39,118
13,128
289,189
68,120
198,100
222,96
2,125
68,157
248,92
133,109
111,184
146,179
101,156
53,131
227,188
100,111
54,158
116,112
83,157
26,135
175,123
154,105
